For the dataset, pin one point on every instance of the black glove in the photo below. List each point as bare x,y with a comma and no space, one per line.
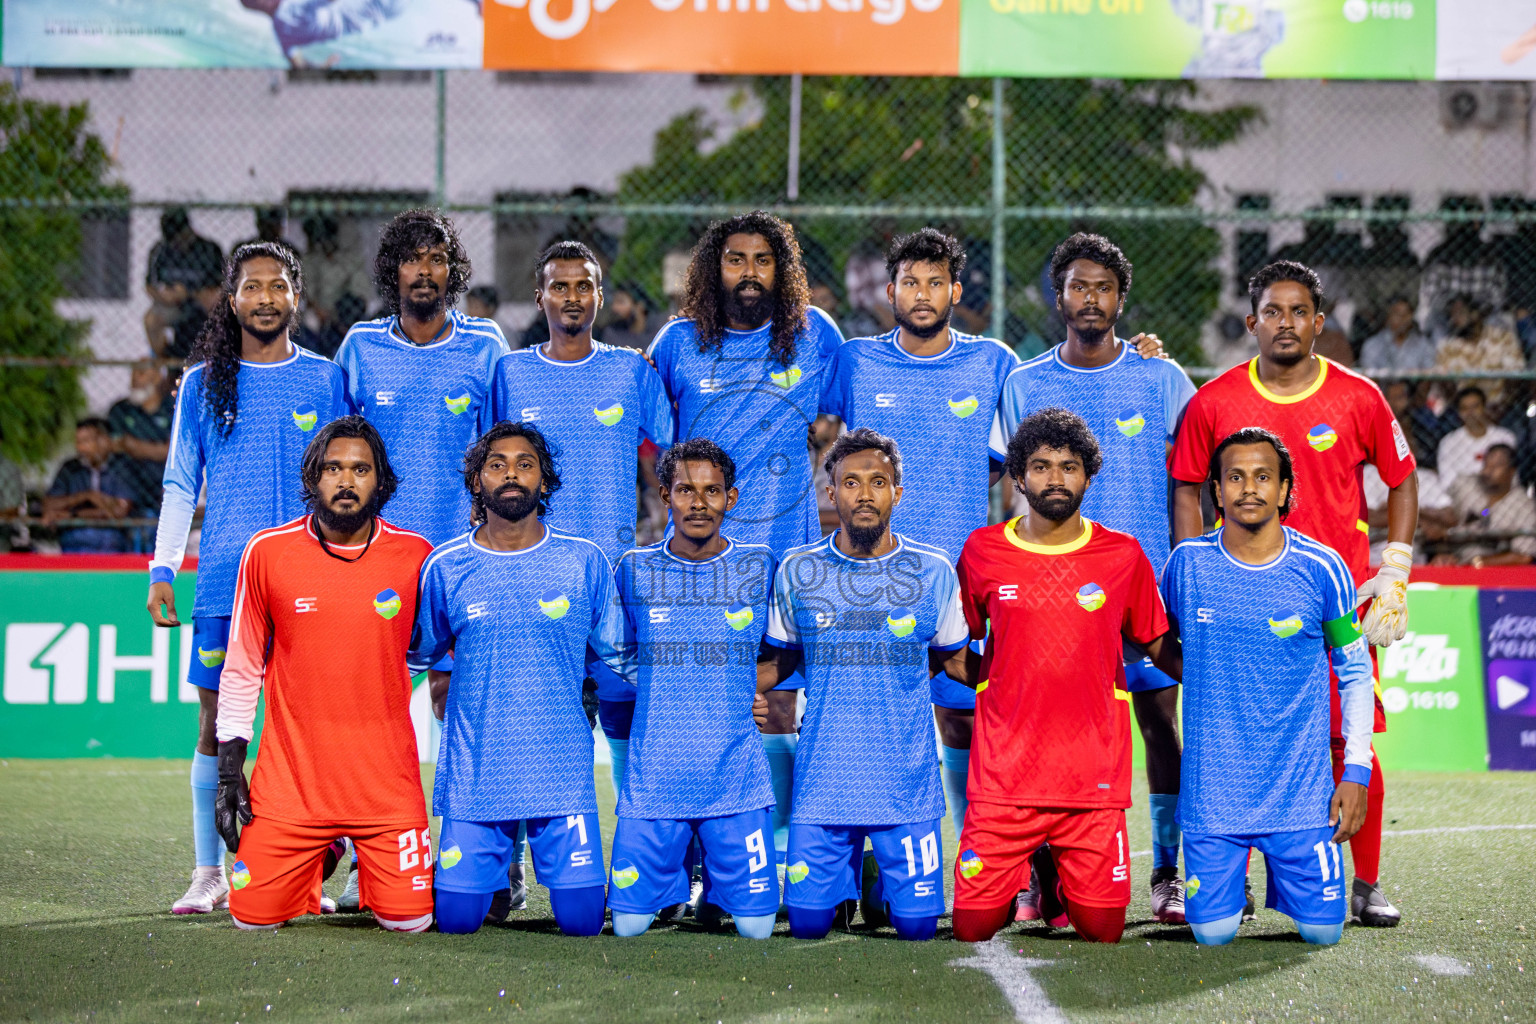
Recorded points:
234,799
589,701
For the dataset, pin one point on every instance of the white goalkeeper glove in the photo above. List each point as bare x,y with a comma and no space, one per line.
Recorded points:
1386,620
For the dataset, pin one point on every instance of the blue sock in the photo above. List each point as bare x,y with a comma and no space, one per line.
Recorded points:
520,844
1165,830
1219,933
616,718
760,927
805,923
956,763
460,913
579,911
780,748
1321,934
627,926
618,752
913,929
207,845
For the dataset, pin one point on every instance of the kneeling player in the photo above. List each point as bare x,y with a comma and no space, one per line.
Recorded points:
1260,607
873,616
1051,759
338,755
694,608
517,603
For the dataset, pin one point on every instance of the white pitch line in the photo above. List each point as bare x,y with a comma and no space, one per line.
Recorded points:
1459,828
1012,974
1439,963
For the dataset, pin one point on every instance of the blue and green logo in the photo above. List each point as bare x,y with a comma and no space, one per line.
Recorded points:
456,403
739,615
305,417
1322,437
901,622
554,604
1192,887
799,871
625,876
970,864
387,603
1286,625
1130,422
787,377
212,658
240,875
1091,596
449,857
608,413
963,403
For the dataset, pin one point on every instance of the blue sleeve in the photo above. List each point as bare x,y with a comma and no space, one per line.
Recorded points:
661,356
352,373
829,336
499,399
614,639
341,402
1176,389
951,631
657,423
783,628
186,458
834,396
1170,585
493,353
1007,417
432,636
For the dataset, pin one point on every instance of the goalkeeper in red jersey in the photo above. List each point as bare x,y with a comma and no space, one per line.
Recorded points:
335,589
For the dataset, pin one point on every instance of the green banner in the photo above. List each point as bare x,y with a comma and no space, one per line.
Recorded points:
1432,686
1198,38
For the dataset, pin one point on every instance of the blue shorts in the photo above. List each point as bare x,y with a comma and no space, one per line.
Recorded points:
473,856
739,874
1306,875
610,685
796,681
825,864
946,693
444,664
1143,677
210,645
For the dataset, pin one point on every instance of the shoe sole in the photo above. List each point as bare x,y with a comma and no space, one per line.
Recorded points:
1169,917
1027,914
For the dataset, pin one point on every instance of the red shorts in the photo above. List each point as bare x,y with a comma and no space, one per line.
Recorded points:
276,876
1089,847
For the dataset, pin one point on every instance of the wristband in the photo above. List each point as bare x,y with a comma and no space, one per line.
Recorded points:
161,574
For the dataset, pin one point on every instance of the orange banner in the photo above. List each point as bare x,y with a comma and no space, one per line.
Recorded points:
816,37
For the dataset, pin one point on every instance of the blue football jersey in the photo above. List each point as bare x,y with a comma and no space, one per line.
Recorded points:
939,410
1133,406
595,412
515,738
864,626
688,635
759,411
429,403
1256,641
252,475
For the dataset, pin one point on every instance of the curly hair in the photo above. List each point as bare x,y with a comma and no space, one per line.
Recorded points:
1057,429
1246,436
565,250
347,427
695,449
704,297
476,455
402,239
218,343
1094,249
863,440
1286,270
929,245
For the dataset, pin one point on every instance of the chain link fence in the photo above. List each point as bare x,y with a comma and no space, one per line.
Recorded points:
1411,198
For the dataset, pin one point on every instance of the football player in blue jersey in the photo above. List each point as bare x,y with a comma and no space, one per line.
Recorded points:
422,375
518,603
245,412
694,608
597,402
933,391
872,616
1262,610
744,367
1133,404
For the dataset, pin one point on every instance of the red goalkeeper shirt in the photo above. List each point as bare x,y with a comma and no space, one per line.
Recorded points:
1333,429
327,638
1053,719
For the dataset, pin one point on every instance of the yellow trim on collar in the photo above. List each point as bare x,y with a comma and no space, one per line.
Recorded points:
1011,532
1268,395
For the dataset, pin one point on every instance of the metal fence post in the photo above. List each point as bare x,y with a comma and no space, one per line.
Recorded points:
792,185
999,267
440,180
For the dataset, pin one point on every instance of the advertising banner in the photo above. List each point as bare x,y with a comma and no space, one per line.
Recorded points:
816,37
1509,647
1432,686
1199,38
243,33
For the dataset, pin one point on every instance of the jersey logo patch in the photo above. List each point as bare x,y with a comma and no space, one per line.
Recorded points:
963,403
387,603
211,658
1091,596
1008,592
885,400
787,377
1130,422
456,403
530,413
449,857
901,622
739,615
799,871
475,610
240,877
1322,437
608,413
305,604
970,864
625,876
384,398
1289,625
554,604
305,417
1192,887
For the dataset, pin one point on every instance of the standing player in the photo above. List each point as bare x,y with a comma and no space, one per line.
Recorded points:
1052,760
517,603
247,407
1260,608
934,392
595,402
1132,405
744,366
872,616
1334,421
338,753
693,611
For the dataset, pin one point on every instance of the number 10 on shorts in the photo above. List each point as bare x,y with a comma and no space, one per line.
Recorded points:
928,846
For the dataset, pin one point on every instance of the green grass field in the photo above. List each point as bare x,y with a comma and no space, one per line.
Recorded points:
93,852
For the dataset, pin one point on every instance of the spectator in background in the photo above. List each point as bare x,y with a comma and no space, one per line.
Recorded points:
1490,503
1461,451
864,280
482,300
824,298
1474,344
141,431
185,273
1437,512
1332,342
336,286
96,484
1517,252
631,326
1460,265
13,500
270,221
1400,345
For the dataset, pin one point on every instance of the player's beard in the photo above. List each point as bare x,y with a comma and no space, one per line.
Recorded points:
1289,358
264,335
424,310
932,330
512,503
347,523
1057,507
1094,332
757,310
864,538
